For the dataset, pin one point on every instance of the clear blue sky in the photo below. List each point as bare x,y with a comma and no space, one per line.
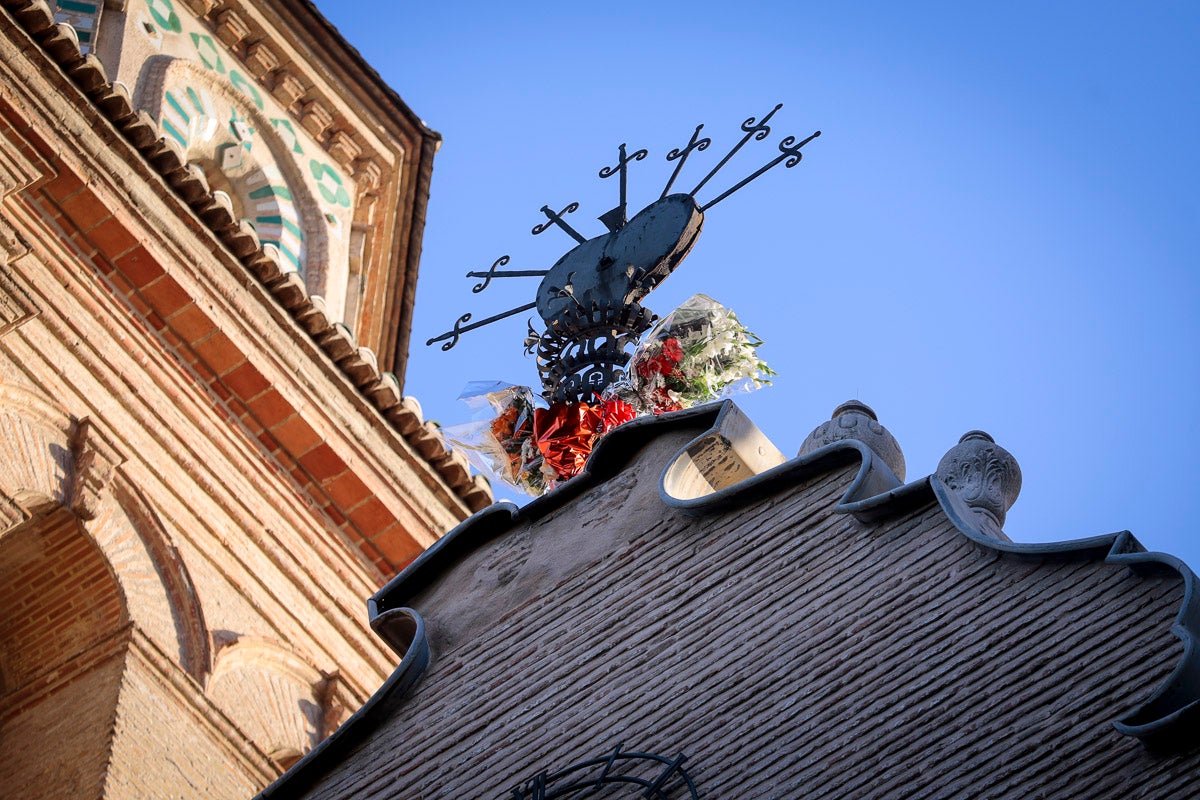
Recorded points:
997,229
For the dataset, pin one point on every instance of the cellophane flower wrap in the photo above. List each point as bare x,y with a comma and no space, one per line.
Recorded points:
567,432
499,441
698,353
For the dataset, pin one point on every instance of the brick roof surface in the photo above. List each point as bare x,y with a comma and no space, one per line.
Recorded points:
795,636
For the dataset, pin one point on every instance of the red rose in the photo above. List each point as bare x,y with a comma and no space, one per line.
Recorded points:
663,402
672,351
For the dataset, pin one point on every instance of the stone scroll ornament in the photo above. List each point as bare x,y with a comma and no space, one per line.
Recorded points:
597,364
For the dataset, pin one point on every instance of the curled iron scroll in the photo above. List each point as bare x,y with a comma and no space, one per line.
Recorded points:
638,155
793,153
760,129
455,334
491,273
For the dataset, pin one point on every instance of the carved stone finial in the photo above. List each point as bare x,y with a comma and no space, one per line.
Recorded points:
855,420
982,473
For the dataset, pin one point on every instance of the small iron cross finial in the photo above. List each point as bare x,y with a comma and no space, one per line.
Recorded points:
557,219
696,143
614,220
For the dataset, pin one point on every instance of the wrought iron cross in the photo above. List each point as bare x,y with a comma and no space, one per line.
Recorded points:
589,300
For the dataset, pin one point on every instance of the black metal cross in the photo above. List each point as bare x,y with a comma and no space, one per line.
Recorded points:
557,219
617,218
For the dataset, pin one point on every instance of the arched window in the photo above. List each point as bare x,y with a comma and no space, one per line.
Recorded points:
64,633
276,179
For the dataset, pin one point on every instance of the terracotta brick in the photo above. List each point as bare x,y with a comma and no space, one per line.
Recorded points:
347,490
112,238
84,209
338,518
371,517
371,552
296,436
221,390
166,296
201,369
251,424
219,353
322,463
155,322
139,266
268,441
82,243
246,381
270,408
191,324
62,186
397,546
140,305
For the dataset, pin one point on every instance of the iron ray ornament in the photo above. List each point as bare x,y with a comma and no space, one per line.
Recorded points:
590,299
645,776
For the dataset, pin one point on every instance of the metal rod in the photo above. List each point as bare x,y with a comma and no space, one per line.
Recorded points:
622,169
512,273
759,130
682,155
460,329
493,273
787,151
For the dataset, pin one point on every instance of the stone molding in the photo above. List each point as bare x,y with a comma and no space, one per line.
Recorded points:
226,731
37,462
282,700
48,461
16,306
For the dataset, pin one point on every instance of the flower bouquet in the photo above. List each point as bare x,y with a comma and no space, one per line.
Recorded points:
500,441
698,353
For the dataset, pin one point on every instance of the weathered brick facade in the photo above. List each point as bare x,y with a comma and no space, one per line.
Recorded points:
814,628
210,221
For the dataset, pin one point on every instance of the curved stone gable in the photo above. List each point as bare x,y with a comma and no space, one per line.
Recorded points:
817,630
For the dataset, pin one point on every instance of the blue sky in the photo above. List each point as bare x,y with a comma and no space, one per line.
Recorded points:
996,230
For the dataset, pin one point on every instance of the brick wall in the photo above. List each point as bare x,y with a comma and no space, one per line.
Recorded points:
58,746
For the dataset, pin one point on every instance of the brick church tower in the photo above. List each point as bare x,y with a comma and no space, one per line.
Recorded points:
210,224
